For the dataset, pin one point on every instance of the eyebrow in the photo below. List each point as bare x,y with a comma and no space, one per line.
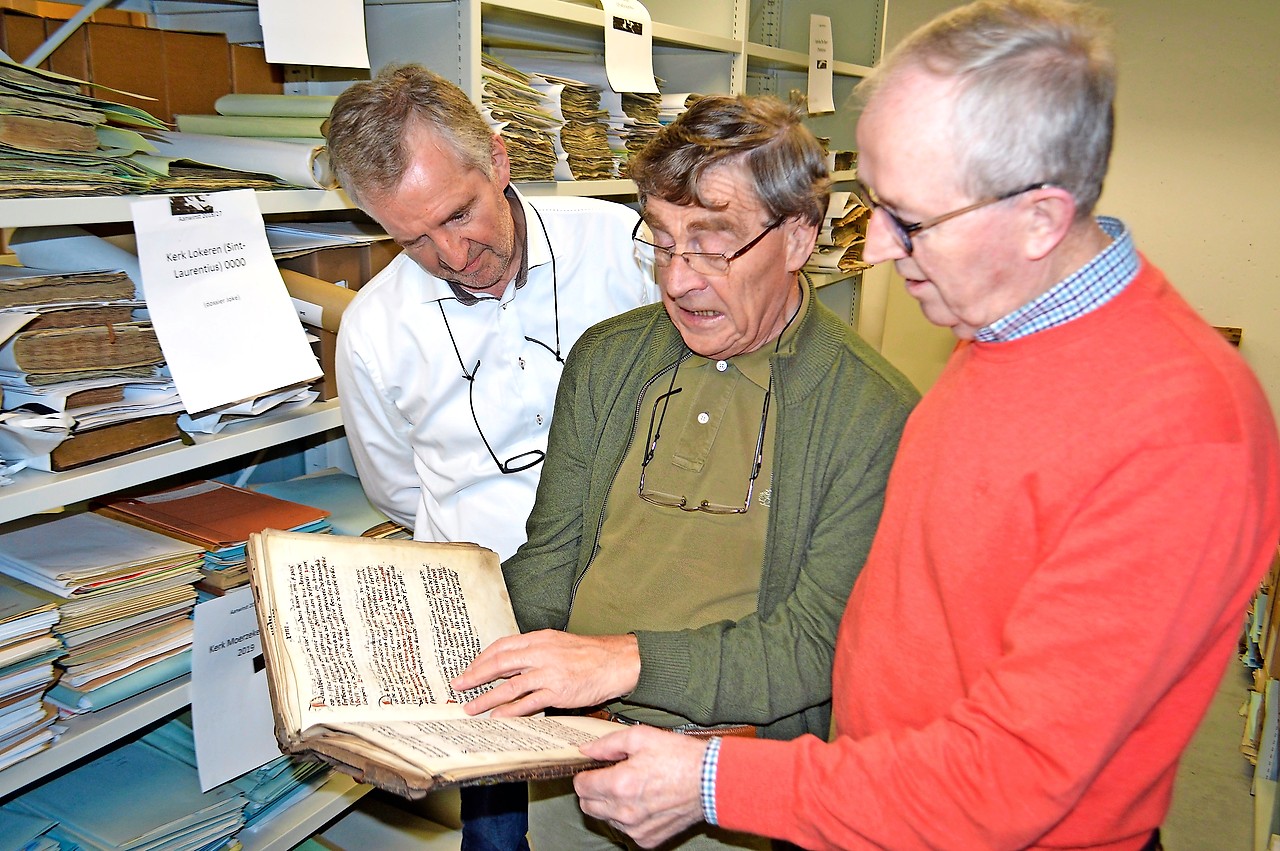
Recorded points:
712,221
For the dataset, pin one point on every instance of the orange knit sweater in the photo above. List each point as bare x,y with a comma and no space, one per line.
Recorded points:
1074,525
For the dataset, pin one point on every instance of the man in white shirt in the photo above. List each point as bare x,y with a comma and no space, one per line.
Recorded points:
448,360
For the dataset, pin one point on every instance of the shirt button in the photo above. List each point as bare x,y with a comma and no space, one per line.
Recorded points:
539,418
704,418
722,365
521,363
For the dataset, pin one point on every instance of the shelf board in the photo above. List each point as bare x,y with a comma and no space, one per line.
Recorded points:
96,730
34,491
794,60
825,278
33,212
576,188
558,11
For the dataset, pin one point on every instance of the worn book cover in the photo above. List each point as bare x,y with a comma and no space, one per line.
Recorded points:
361,637
107,441
88,347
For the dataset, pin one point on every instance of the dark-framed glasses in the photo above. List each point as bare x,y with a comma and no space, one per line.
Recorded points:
702,262
903,231
682,502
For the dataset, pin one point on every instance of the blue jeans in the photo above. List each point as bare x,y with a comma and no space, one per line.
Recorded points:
495,818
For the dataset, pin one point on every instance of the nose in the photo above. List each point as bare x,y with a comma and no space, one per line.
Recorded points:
677,279
881,243
452,251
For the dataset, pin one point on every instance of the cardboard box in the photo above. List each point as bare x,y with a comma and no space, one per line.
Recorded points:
353,265
63,11
197,71
130,59
72,56
21,35
252,74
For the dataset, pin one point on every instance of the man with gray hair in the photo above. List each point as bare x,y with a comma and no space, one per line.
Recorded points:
448,360
1081,508
714,474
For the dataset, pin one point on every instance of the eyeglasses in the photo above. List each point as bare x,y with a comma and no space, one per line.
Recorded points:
525,460
903,231
651,444
700,261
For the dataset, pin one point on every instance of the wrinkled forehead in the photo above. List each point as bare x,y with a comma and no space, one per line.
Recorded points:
727,200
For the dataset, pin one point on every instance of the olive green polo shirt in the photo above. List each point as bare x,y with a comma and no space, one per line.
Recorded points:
662,568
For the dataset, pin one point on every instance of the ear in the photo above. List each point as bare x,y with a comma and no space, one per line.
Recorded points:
801,237
1051,211
501,162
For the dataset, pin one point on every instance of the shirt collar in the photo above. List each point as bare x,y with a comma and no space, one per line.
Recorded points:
1085,290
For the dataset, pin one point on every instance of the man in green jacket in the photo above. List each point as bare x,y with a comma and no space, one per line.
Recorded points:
714,473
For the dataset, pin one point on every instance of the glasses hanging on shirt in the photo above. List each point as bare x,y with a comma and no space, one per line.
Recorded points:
651,445
524,460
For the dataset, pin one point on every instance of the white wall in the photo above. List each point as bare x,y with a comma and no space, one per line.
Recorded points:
1195,172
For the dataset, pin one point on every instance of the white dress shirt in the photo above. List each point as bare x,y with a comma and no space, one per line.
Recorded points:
403,395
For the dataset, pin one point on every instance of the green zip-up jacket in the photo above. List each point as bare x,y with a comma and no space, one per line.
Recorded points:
841,409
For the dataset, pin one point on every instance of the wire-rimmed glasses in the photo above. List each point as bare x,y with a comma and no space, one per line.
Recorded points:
682,502
702,262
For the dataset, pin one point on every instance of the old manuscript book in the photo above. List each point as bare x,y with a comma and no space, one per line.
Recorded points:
361,637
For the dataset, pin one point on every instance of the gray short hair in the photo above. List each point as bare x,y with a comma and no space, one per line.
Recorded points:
1037,89
368,124
781,154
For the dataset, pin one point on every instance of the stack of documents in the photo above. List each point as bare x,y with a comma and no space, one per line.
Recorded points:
23,832
28,648
672,105
137,797
631,120
841,236
522,116
268,789
76,345
582,143
218,518
124,596
56,141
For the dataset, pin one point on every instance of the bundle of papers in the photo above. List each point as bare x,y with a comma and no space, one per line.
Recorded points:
28,648
135,797
56,141
79,555
841,235
630,120
218,518
293,239
277,785
123,597
521,115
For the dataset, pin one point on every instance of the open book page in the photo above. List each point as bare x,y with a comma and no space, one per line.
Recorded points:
459,749
375,632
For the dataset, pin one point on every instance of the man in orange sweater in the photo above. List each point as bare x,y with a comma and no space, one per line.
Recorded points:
1078,514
